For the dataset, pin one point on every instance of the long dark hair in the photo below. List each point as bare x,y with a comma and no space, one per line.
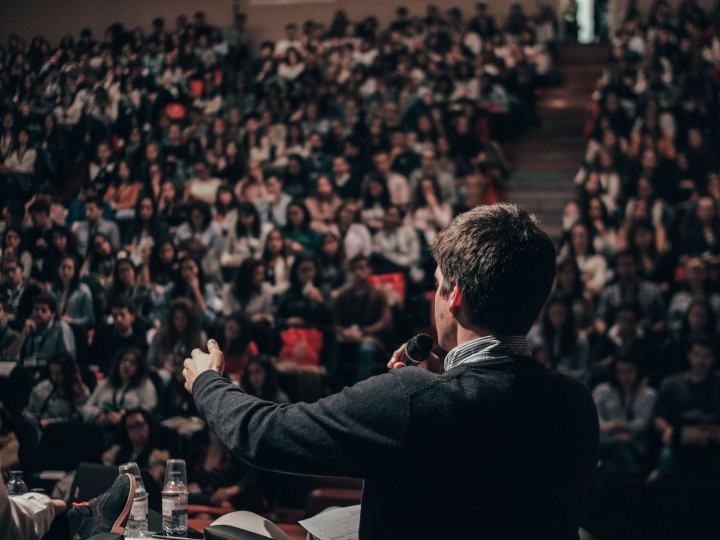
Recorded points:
271,388
181,287
624,358
75,281
247,208
242,286
72,386
118,287
240,345
305,223
295,278
568,336
141,373
153,226
384,199
168,336
122,434
709,325
159,271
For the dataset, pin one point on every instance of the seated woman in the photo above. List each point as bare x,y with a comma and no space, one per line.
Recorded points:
60,397
216,477
297,230
136,442
246,239
556,330
625,409
304,302
249,292
260,380
126,287
190,284
75,303
179,334
237,345
323,204
277,261
127,387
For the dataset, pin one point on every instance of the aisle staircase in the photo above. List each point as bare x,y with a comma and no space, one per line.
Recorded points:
545,160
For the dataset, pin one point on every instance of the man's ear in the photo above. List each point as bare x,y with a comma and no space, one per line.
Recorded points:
456,300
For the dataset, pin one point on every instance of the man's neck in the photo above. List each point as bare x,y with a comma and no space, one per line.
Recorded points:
465,334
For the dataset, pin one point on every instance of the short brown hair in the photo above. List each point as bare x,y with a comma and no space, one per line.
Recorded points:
503,262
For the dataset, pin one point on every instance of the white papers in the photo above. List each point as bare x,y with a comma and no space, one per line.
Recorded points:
337,524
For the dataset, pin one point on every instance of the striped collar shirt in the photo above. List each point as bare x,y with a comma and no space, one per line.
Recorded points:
487,348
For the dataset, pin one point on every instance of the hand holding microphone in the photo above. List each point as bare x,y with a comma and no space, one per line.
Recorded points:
417,352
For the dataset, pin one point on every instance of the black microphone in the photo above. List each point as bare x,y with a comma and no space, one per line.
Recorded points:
417,349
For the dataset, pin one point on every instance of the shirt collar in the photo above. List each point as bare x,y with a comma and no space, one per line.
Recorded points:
487,348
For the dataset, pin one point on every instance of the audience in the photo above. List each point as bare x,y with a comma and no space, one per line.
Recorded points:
161,187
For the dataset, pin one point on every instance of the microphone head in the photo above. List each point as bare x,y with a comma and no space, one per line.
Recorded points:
419,347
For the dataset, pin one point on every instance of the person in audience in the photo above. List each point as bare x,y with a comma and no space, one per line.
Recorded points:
697,287
86,231
260,379
125,331
13,244
200,226
557,332
190,284
75,303
625,408
137,443
217,477
99,264
277,261
429,212
363,319
629,288
42,336
126,286
568,283
305,302
593,267
298,233
61,396
19,291
687,418
355,236
250,292
237,344
397,247
179,334
245,240
331,261
126,387
323,204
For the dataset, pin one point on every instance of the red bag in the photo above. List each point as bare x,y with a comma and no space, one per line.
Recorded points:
301,346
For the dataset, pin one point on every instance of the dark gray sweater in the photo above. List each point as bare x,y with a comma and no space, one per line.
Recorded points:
494,450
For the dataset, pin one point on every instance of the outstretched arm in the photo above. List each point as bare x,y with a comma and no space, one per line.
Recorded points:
359,432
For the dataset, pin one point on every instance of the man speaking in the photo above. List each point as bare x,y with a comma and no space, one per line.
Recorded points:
490,445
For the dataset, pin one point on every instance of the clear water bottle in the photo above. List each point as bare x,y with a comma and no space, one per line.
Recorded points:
175,505
137,523
16,486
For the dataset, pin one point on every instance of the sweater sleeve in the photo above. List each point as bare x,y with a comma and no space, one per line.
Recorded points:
359,432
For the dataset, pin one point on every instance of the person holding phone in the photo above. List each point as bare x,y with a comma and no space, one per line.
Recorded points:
486,444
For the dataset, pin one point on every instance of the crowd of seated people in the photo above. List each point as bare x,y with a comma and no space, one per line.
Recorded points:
163,186
636,306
